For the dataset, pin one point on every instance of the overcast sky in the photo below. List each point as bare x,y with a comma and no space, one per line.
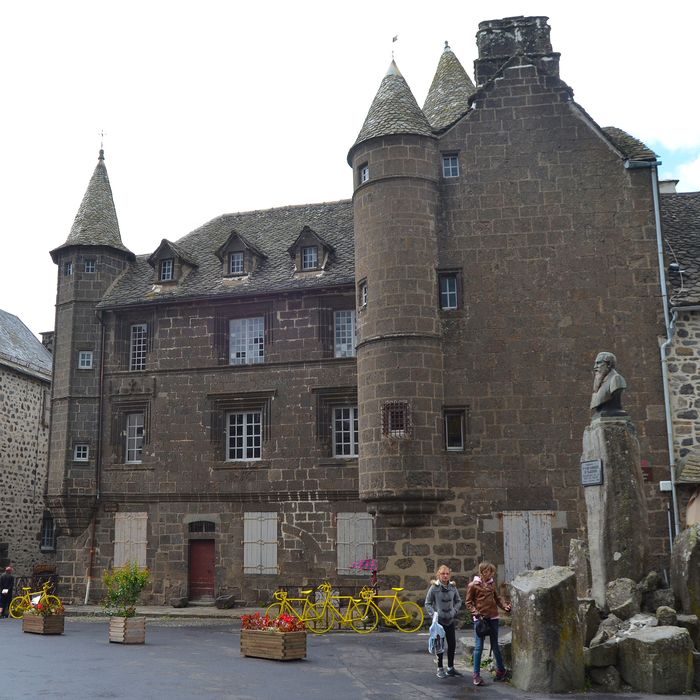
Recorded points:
211,107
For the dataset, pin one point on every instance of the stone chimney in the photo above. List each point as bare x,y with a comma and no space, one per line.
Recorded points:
47,340
667,186
501,39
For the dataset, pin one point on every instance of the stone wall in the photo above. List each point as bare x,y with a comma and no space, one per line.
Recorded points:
24,434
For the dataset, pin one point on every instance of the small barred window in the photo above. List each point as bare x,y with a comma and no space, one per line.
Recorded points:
202,526
396,419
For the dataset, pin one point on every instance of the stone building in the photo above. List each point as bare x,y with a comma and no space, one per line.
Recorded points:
27,532
404,375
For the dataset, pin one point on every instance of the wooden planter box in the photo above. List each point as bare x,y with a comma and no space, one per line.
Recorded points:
127,630
281,646
36,624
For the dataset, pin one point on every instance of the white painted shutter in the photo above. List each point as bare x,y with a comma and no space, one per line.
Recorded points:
130,538
354,540
260,543
527,541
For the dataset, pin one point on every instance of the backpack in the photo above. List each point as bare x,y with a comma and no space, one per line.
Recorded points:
481,627
436,641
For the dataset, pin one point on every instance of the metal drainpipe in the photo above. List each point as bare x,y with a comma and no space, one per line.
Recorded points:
98,458
670,326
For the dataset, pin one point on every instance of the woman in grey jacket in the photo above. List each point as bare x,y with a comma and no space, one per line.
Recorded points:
443,598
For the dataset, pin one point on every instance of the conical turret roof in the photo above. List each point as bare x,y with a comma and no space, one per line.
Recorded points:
448,97
96,222
394,110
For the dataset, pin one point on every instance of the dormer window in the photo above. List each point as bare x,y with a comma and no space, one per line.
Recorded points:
309,257
167,270
235,263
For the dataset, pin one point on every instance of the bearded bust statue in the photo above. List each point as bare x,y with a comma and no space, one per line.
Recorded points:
608,385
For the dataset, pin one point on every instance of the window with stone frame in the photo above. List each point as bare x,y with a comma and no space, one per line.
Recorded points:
134,339
455,425
260,543
354,542
202,526
239,425
48,533
337,421
362,294
396,419
449,289
68,268
90,266
130,430
309,257
243,334
363,174
450,165
166,270
345,337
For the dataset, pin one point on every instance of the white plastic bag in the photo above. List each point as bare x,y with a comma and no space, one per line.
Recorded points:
436,640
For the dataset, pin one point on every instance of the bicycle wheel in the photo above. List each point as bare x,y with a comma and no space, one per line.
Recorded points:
409,616
318,618
54,601
274,611
363,618
18,606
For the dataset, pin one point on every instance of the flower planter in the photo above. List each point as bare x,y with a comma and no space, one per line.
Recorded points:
270,644
127,630
36,624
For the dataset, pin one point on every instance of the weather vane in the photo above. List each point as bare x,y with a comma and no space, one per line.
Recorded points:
393,41
102,138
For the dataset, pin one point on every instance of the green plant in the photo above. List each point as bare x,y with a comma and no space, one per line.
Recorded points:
124,586
46,607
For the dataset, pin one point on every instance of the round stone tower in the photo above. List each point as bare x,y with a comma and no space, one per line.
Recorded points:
399,357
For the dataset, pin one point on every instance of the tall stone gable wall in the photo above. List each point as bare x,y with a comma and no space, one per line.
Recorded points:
24,436
555,243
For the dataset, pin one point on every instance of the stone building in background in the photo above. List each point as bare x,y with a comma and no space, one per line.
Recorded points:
404,375
27,532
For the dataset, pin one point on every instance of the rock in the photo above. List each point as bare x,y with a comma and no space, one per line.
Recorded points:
579,562
655,599
657,660
685,569
666,616
547,644
607,629
505,642
605,680
690,622
225,602
696,672
638,622
601,656
179,601
589,616
622,598
649,583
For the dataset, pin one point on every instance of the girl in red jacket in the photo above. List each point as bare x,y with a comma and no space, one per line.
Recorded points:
483,602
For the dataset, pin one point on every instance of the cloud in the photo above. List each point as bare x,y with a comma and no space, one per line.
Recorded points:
689,175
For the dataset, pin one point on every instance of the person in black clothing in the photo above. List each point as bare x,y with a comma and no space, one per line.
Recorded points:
443,598
7,582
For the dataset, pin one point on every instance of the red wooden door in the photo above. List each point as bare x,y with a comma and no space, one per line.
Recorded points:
201,569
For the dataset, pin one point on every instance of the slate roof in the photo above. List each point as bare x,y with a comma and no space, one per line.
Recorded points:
96,222
271,231
631,147
393,111
20,349
680,223
448,97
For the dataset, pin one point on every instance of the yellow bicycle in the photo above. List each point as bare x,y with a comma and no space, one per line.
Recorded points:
21,603
284,604
405,615
358,615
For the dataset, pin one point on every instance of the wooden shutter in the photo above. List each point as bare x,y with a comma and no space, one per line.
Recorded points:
527,541
260,543
130,538
354,540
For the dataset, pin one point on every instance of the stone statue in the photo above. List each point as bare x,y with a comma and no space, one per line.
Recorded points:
608,386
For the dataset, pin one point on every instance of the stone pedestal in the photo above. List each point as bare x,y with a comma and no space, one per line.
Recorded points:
617,512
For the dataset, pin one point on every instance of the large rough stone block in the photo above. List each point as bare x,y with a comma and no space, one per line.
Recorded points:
657,660
616,509
605,680
601,656
225,602
547,635
685,569
589,615
655,599
696,671
623,598
690,622
667,616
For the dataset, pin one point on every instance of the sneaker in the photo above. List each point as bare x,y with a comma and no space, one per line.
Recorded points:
453,672
476,679
441,672
501,676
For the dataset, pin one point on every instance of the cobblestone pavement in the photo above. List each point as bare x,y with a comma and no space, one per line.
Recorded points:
186,657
